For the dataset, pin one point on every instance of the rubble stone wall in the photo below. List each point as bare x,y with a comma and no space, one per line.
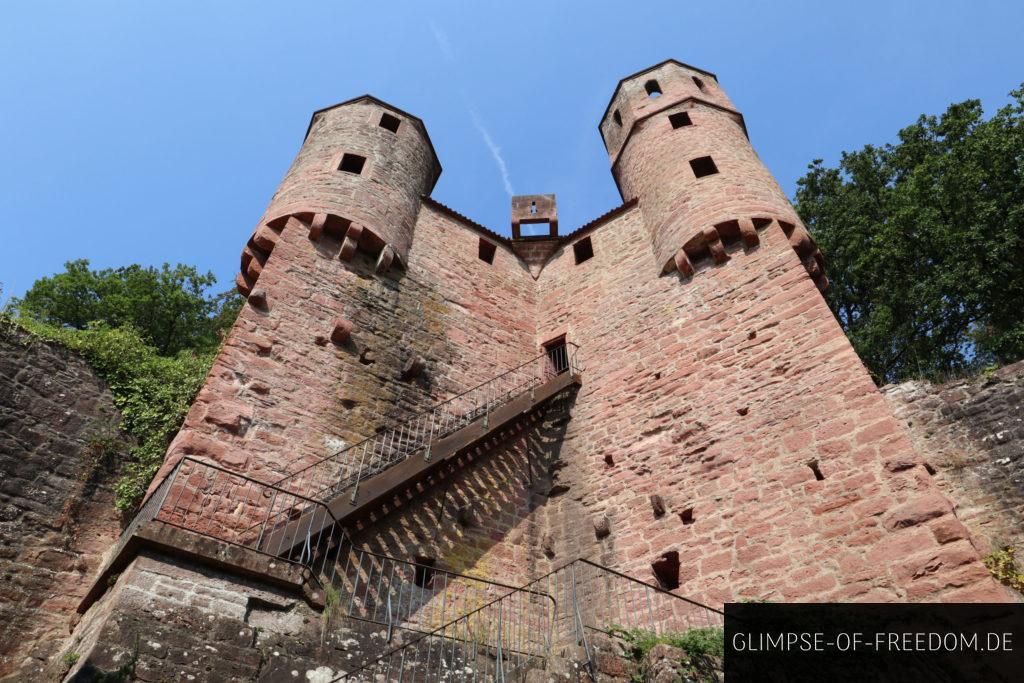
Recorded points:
59,448
971,432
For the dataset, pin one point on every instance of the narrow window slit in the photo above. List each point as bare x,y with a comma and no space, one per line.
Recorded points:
817,470
686,516
666,570
617,117
700,84
929,469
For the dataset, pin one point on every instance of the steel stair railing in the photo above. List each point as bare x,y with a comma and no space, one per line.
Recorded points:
329,477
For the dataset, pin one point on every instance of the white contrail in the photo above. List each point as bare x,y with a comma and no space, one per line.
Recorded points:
443,43
495,152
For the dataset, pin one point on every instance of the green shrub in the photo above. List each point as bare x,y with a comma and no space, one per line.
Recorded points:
695,641
1003,566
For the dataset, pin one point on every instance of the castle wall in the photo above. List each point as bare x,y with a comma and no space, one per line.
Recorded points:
281,394
971,432
168,619
716,393
59,450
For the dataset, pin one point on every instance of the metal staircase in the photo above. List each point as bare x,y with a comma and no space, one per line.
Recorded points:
360,478
299,517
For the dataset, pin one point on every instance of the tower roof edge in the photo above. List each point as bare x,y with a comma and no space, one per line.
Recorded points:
376,100
615,91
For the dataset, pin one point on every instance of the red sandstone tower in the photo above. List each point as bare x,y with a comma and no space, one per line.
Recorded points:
420,414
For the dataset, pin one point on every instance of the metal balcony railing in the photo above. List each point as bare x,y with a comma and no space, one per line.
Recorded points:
210,500
585,598
491,643
594,598
417,597
343,470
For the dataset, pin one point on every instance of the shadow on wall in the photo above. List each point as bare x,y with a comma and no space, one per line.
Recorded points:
479,520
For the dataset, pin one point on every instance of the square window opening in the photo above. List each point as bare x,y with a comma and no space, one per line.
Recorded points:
352,163
703,166
583,250
558,354
390,122
680,119
486,251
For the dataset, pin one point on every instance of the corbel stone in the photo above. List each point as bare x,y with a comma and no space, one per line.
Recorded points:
316,226
801,242
351,241
254,269
602,526
265,238
342,331
258,297
748,232
683,264
657,505
387,256
242,285
715,246
247,256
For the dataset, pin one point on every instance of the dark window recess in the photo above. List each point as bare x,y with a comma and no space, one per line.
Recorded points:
487,250
533,208
817,470
680,119
929,469
686,516
618,117
666,570
424,567
652,88
390,122
583,250
700,84
557,354
703,166
353,163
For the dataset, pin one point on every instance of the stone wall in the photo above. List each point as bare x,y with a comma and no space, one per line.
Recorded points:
172,620
59,447
971,433
734,397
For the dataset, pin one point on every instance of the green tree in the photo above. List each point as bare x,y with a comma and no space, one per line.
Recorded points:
924,242
171,307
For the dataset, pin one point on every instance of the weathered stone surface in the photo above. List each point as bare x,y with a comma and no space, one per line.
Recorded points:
970,434
715,387
59,452
168,620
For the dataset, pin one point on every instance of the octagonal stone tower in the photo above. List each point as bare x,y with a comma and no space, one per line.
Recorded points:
362,163
678,145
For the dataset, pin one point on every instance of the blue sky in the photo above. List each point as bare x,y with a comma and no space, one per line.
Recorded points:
138,132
